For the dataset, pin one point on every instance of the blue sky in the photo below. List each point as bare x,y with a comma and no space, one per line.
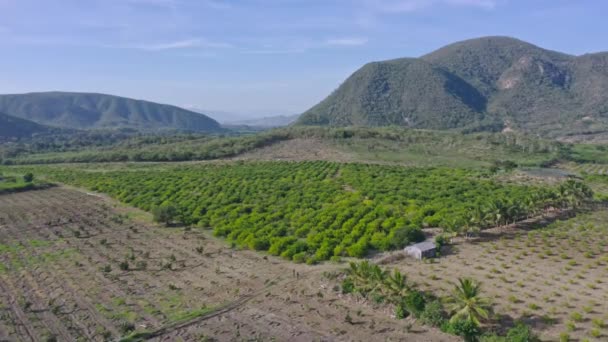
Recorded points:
257,56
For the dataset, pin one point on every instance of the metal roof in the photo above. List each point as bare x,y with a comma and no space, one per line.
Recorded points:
424,245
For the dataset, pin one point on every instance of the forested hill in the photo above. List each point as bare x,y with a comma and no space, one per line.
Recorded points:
490,82
94,111
12,127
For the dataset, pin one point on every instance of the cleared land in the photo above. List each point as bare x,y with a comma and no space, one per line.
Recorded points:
64,277
553,278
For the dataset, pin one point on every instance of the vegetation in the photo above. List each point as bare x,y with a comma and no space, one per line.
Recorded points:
468,309
387,144
91,111
10,184
312,211
465,302
480,84
12,128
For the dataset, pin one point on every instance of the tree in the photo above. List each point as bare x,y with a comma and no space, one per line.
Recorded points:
165,213
465,302
28,177
397,284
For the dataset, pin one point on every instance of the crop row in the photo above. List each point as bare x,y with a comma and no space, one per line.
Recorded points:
312,211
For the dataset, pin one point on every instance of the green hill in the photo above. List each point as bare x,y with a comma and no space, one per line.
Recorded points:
12,127
493,82
94,111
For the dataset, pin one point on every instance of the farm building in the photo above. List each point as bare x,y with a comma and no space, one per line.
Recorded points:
425,249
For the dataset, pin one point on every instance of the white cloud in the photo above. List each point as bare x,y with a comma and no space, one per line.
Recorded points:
399,6
346,41
179,44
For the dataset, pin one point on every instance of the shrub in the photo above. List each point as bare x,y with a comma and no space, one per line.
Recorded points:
440,241
165,213
299,257
433,314
401,311
521,333
348,286
124,265
576,316
414,302
464,328
28,177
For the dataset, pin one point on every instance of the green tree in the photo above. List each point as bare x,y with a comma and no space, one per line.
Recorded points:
28,177
466,303
165,213
397,284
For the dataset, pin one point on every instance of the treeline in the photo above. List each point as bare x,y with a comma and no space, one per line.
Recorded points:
152,148
313,211
126,145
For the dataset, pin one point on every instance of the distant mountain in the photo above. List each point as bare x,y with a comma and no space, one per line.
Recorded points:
220,116
497,82
254,120
12,127
94,111
268,122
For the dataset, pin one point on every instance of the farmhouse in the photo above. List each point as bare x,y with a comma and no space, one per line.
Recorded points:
425,249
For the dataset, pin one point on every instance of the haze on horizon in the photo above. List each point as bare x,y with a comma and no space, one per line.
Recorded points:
257,57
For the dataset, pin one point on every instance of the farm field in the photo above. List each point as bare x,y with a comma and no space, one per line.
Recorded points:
553,278
79,267
315,211
253,249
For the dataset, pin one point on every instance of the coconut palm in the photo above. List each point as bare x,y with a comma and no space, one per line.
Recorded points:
465,302
397,284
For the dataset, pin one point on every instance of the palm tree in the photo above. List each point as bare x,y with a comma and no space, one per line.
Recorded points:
466,303
397,284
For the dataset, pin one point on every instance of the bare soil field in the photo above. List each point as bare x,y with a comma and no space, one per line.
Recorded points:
79,267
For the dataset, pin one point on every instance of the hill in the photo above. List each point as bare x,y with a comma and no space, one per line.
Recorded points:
95,111
12,127
490,82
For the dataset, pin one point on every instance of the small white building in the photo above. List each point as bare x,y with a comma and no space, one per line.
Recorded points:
421,250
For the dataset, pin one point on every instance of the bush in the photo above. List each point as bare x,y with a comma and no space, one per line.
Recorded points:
124,265
299,257
28,177
521,333
464,328
347,286
401,311
165,213
414,302
433,314
440,241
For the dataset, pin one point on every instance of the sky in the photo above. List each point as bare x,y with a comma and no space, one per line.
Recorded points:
257,57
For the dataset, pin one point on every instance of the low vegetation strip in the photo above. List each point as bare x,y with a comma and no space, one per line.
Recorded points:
11,184
313,211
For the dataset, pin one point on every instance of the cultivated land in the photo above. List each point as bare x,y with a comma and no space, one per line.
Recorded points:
62,278
553,278
231,262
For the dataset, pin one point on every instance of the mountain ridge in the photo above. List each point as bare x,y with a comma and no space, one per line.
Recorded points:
13,127
95,111
497,80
